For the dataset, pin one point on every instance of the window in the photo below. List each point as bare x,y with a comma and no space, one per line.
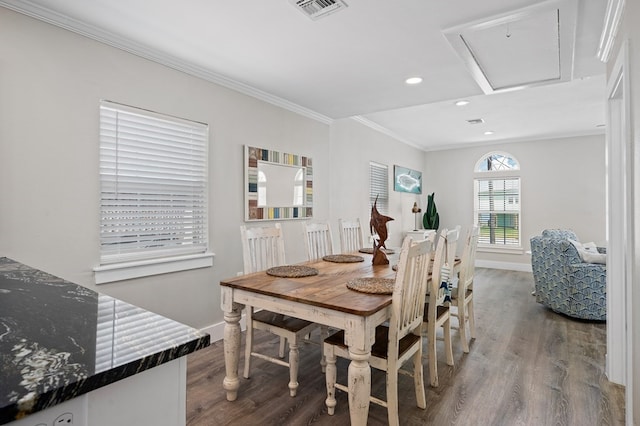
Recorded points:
153,176
497,200
379,186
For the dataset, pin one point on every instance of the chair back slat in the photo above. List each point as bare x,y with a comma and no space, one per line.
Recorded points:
468,261
410,289
350,235
436,293
318,240
452,242
262,247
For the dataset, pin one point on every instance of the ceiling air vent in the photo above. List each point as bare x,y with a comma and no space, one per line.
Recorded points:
316,9
476,121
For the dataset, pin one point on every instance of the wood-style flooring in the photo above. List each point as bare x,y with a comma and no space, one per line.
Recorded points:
527,366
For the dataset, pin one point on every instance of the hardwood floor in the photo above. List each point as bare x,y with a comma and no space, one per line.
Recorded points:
528,366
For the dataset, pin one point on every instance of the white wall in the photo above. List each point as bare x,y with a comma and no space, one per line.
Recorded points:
51,82
353,147
562,185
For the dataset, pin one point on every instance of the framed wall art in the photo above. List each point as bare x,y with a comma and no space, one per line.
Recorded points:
278,185
407,180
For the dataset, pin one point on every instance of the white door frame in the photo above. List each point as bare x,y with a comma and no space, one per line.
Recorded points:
620,226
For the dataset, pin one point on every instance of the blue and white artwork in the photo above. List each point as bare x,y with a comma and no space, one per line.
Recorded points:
407,180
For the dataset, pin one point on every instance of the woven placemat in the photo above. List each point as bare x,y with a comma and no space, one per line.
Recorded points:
372,285
292,271
369,250
343,258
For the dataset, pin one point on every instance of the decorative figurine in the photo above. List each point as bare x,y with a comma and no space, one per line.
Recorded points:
378,223
415,210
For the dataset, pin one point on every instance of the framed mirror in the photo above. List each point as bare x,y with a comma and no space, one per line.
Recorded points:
278,185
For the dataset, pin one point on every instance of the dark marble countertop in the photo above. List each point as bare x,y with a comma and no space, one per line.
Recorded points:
59,340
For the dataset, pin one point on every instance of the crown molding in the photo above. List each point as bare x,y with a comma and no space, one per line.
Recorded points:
54,18
612,18
531,138
375,126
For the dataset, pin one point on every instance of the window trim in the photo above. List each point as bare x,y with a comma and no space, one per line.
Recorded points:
141,262
514,173
143,268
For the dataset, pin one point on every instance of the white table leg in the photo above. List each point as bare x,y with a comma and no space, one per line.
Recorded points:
359,386
231,383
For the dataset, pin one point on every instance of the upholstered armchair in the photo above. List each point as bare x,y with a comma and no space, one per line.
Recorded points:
563,281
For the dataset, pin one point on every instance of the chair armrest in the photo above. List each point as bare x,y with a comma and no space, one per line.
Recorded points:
587,278
586,268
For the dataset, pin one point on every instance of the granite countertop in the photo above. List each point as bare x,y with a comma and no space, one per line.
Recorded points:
59,340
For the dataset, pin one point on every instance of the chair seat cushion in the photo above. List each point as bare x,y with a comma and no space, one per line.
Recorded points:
281,321
380,347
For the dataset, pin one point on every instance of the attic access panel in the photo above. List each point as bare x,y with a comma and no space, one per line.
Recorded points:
529,47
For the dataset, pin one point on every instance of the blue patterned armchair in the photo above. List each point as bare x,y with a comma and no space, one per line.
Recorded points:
563,281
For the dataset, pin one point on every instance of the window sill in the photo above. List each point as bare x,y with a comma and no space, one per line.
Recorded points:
144,268
502,250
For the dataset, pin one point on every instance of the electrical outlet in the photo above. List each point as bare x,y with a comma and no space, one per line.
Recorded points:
63,420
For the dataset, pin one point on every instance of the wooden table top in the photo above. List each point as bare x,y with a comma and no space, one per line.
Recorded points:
328,289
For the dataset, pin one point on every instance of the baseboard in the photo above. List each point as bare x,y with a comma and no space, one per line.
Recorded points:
510,266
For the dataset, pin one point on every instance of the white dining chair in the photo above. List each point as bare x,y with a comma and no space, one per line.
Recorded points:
318,240
350,235
263,248
437,307
319,243
397,342
462,293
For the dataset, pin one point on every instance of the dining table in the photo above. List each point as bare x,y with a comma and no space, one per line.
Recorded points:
323,298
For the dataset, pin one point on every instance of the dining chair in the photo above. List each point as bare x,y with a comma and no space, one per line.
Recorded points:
451,255
318,240
319,244
462,293
350,235
263,248
397,342
437,307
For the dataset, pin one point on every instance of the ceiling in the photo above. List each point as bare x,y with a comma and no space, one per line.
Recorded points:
528,68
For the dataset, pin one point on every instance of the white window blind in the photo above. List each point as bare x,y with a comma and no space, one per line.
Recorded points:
153,175
379,186
497,200
498,210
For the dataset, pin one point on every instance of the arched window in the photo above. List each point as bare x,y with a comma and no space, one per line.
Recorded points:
497,200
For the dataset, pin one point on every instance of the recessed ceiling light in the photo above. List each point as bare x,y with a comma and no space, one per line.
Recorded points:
488,132
462,102
413,80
